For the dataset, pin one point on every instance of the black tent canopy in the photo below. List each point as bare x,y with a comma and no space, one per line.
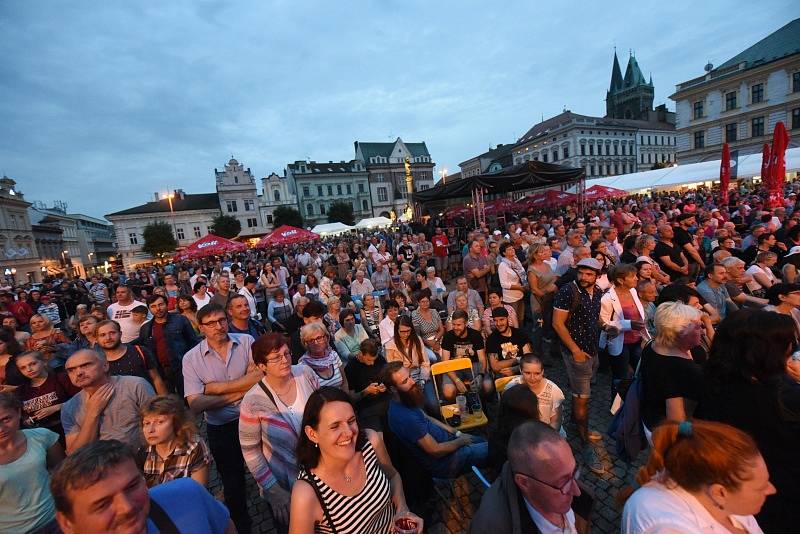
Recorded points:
521,177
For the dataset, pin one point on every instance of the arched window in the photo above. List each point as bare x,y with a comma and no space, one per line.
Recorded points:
277,195
310,209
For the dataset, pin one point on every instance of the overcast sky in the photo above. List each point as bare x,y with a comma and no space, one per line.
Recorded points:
104,103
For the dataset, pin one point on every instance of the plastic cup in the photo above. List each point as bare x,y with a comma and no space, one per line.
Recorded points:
406,523
461,401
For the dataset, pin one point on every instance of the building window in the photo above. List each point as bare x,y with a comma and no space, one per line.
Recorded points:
310,209
641,140
249,205
757,93
277,195
196,231
319,190
730,101
623,150
649,158
382,194
231,205
555,155
379,177
591,151
795,118
544,157
306,191
583,150
349,188
360,187
269,218
591,172
641,157
364,205
179,231
697,108
339,189
757,127
322,209
330,190
730,132
566,152
700,139
132,237
796,82
252,222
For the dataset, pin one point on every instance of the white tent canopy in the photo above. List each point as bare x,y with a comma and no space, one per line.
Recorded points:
332,228
692,173
374,222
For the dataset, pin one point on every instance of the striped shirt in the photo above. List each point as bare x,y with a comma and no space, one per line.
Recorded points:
369,511
268,433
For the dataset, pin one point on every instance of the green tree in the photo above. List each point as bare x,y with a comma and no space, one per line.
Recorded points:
341,212
288,216
658,165
226,226
159,239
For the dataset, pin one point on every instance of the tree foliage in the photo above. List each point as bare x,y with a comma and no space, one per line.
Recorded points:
159,239
226,226
341,212
288,216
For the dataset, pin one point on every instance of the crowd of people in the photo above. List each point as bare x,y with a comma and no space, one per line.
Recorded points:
312,367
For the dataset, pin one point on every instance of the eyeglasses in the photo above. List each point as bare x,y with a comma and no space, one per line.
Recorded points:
320,339
219,322
564,488
279,358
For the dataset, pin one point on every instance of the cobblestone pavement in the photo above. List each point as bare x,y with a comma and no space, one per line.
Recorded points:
451,515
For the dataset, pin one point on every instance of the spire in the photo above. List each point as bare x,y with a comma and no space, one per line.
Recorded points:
633,74
616,75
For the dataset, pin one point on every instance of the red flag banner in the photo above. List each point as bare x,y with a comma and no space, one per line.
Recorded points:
777,165
725,173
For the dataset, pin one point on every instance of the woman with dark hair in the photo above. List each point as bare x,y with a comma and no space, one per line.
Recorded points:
347,482
26,456
517,405
746,386
629,253
407,348
312,286
427,322
188,308
10,377
269,420
785,299
700,476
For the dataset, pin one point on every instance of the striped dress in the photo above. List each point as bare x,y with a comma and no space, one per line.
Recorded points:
370,511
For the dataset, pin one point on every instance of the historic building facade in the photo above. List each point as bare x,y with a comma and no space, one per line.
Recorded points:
741,100
19,258
321,184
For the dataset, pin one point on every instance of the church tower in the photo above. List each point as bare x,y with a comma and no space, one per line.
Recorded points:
630,97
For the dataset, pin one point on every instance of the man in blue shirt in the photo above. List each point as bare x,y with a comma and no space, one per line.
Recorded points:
216,375
442,450
99,489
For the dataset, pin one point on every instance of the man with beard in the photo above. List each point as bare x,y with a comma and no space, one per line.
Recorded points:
465,342
505,345
538,488
99,489
169,336
442,450
576,315
683,239
126,359
107,407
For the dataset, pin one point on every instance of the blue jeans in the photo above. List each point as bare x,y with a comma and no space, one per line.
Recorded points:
461,461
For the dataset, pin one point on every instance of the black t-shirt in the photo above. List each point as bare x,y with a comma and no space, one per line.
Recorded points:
407,252
681,238
360,375
674,253
666,377
134,363
504,347
466,347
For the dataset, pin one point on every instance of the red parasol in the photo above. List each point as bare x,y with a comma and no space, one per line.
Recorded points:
286,235
210,245
725,173
545,199
777,165
598,191
498,204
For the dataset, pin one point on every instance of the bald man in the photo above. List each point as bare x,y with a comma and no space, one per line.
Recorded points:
107,407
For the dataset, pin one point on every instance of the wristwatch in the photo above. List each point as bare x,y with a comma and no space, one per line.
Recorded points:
458,433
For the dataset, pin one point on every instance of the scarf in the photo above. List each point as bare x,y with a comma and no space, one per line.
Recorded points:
323,362
517,267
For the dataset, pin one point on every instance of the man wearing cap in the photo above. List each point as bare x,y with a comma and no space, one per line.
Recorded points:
576,315
683,239
505,345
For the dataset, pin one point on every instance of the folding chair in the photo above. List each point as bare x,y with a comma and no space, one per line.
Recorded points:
463,368
501,383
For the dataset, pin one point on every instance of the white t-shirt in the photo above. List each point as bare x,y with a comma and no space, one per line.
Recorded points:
755,269
657,509
122,314
201,302
550,399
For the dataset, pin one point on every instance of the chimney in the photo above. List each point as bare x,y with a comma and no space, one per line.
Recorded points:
155,195
180,194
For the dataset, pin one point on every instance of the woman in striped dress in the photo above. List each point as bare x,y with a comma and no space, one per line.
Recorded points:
347,483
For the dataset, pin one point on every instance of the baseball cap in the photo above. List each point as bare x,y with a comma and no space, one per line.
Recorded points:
499,312
590,263
793,251
497,232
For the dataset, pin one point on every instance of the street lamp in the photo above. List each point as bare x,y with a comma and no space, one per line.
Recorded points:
170,196
443,174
